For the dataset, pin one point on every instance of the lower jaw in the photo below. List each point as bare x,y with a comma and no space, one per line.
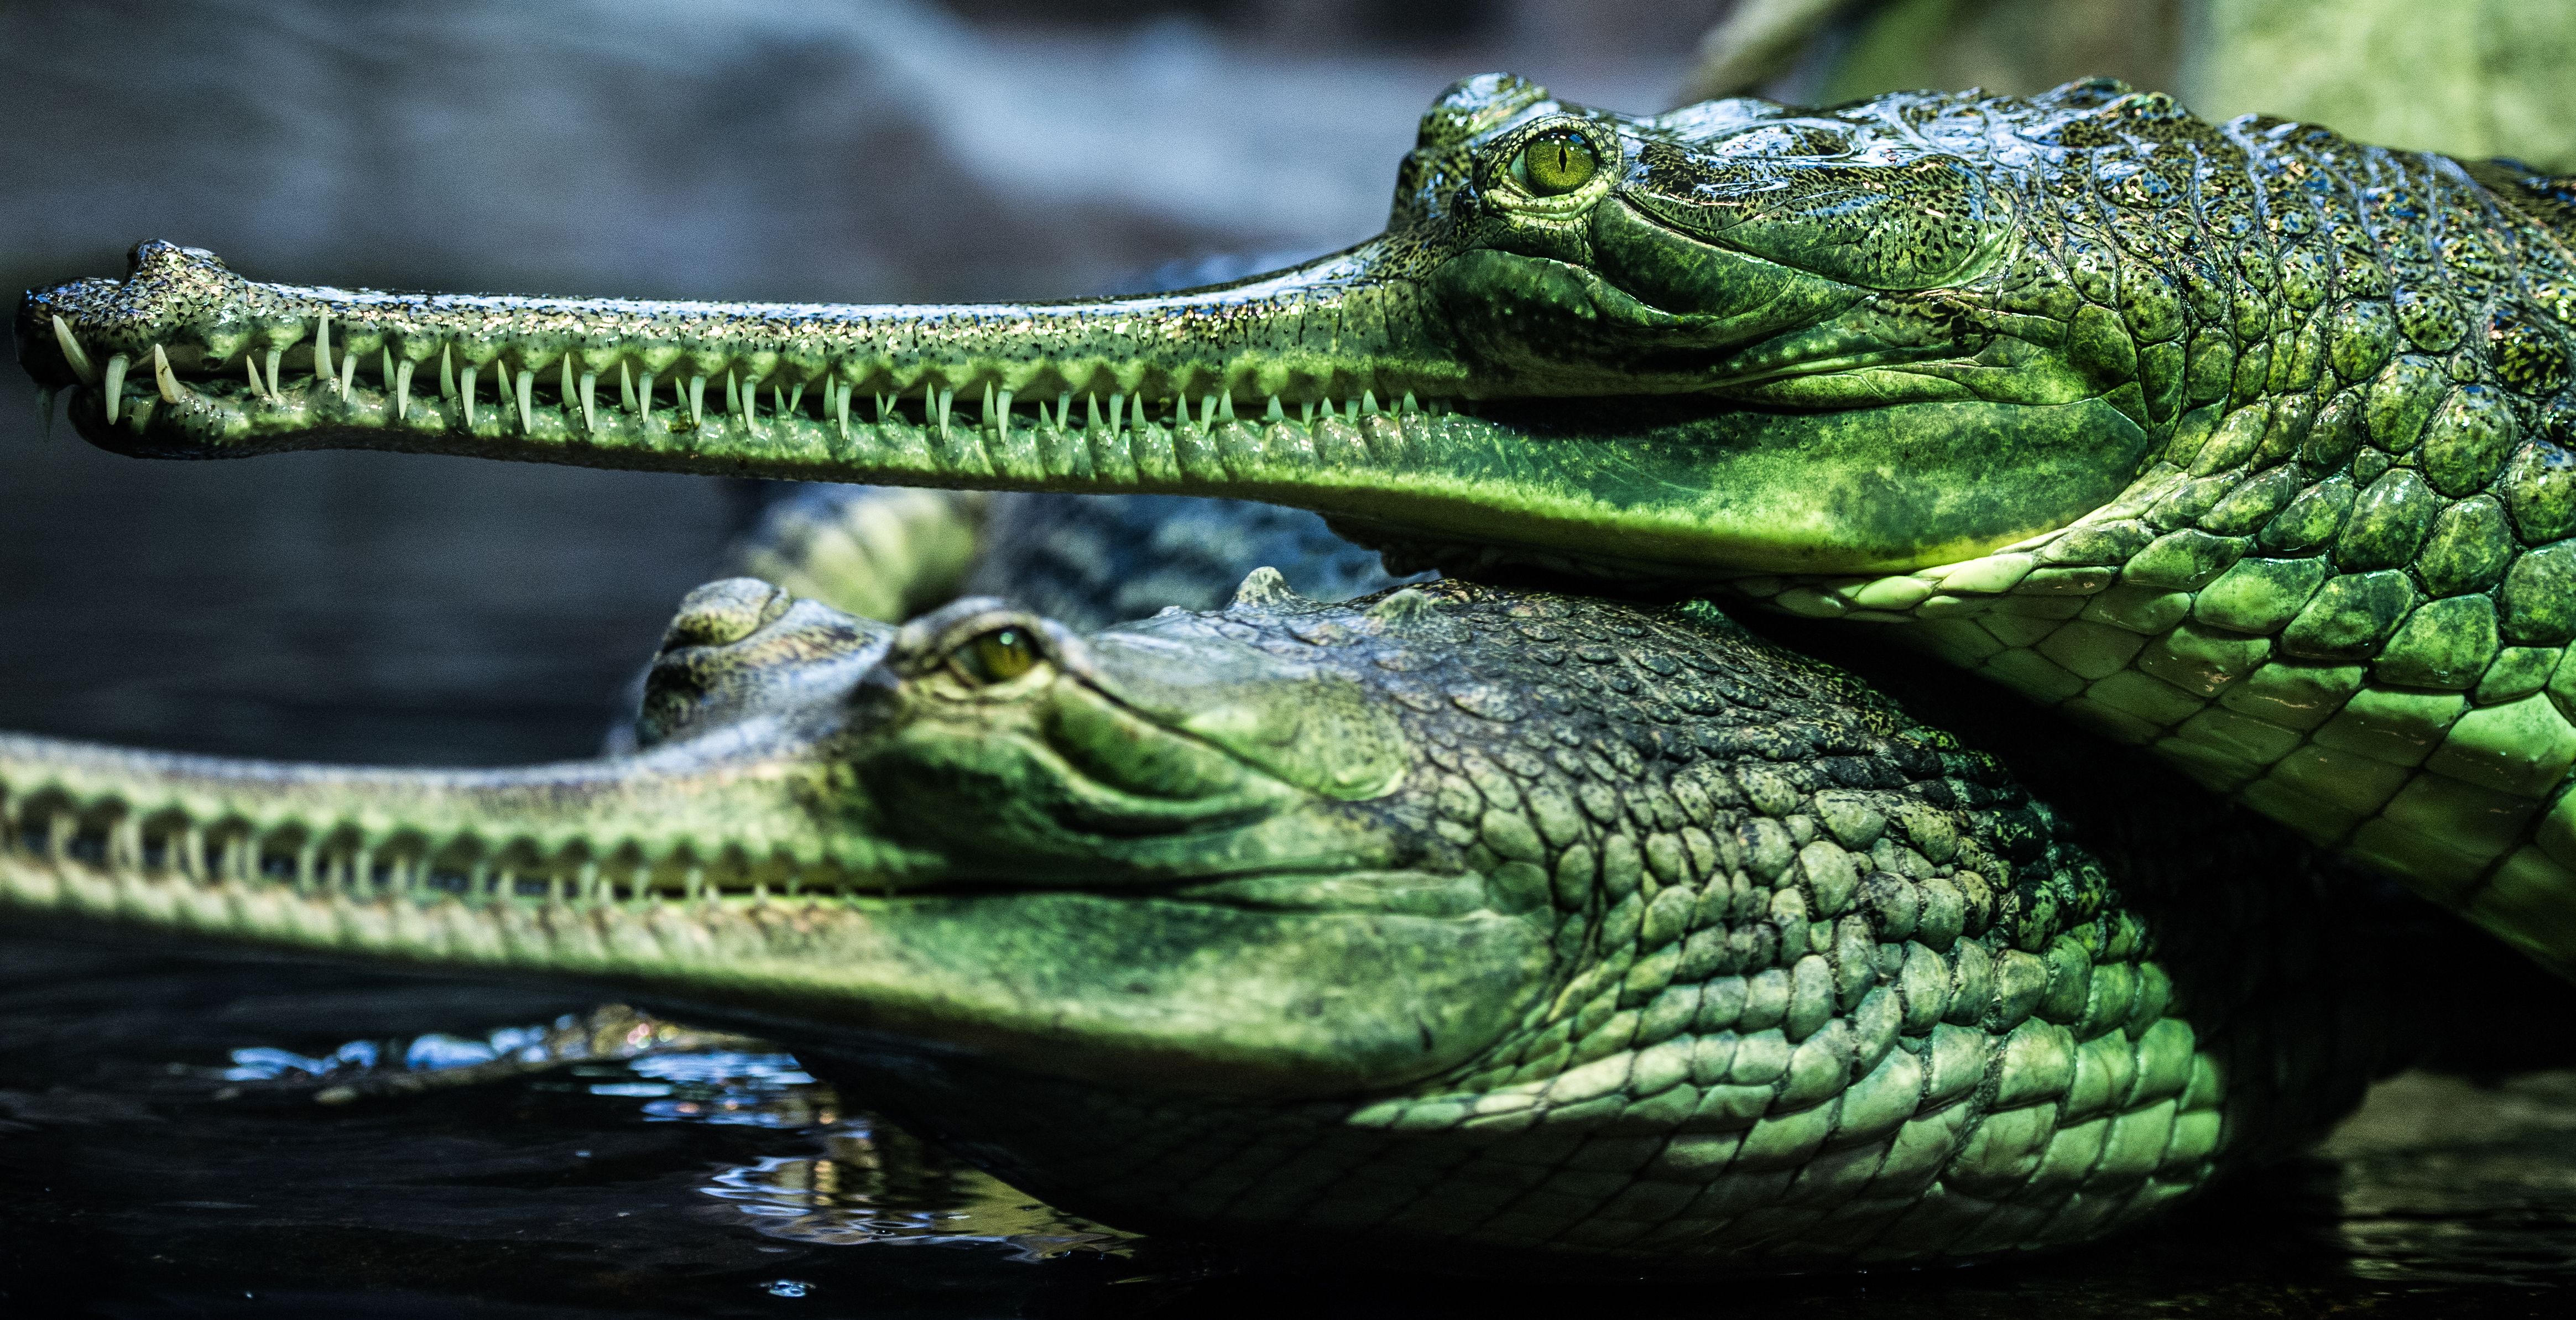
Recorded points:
1640,488
1384,464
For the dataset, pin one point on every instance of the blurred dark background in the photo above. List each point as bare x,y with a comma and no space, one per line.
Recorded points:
399,609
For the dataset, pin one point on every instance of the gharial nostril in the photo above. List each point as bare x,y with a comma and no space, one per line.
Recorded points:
726,611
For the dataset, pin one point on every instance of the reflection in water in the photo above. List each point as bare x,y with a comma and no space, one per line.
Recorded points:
869,1183
437,1059
2436,1182
878,1186
693,1181
2443,1181
725,1087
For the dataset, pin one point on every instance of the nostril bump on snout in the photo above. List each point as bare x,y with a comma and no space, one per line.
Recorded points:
726,611
155,256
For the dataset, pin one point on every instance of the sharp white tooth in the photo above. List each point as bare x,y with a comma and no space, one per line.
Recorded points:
885,408
1225,405
1409,404
697,400
1001,414
1276,413
275,355
74,356
527,400
1306,413
322,372
625,386
733,395
1064,411
161,378
115,387
1368,403
841,408
590,400
1091,413
795,399
947,400
644,395
446,372
348,374
402,390
564,387
466,384
385,369
250,368
1351,410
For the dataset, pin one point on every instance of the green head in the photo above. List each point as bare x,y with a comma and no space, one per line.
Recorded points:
1738,336
1155,852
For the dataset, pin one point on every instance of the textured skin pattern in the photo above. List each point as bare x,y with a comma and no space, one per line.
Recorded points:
2269,426
1086,561
2237,439
1094,560
2341,590
1811,984
1829,987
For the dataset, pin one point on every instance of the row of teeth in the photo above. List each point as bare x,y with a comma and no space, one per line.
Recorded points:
741,397
240,853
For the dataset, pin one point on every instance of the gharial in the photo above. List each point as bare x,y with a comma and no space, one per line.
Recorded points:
1454,926
2242,441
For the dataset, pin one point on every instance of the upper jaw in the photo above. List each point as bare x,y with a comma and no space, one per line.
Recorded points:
238,362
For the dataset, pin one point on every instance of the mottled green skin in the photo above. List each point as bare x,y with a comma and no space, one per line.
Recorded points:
1487,930
2244,441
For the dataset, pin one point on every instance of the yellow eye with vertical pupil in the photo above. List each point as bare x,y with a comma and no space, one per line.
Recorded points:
1558,163
997,656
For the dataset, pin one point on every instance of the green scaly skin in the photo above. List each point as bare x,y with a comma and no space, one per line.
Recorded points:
1483,929
2242,441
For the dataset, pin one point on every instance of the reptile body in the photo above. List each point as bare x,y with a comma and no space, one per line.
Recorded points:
2242,441
1473,928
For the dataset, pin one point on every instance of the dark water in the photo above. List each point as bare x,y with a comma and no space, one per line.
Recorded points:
145,1172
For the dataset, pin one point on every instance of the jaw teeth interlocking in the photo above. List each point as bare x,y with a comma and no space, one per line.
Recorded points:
161,377
73,355
515,391
114,389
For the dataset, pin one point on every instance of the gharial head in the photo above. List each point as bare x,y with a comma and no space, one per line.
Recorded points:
1153,852
1738,336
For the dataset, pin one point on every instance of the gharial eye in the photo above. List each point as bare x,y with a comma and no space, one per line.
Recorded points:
1558,163
996,656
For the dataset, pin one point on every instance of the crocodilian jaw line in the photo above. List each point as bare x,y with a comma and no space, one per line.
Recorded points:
775,387
525,866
